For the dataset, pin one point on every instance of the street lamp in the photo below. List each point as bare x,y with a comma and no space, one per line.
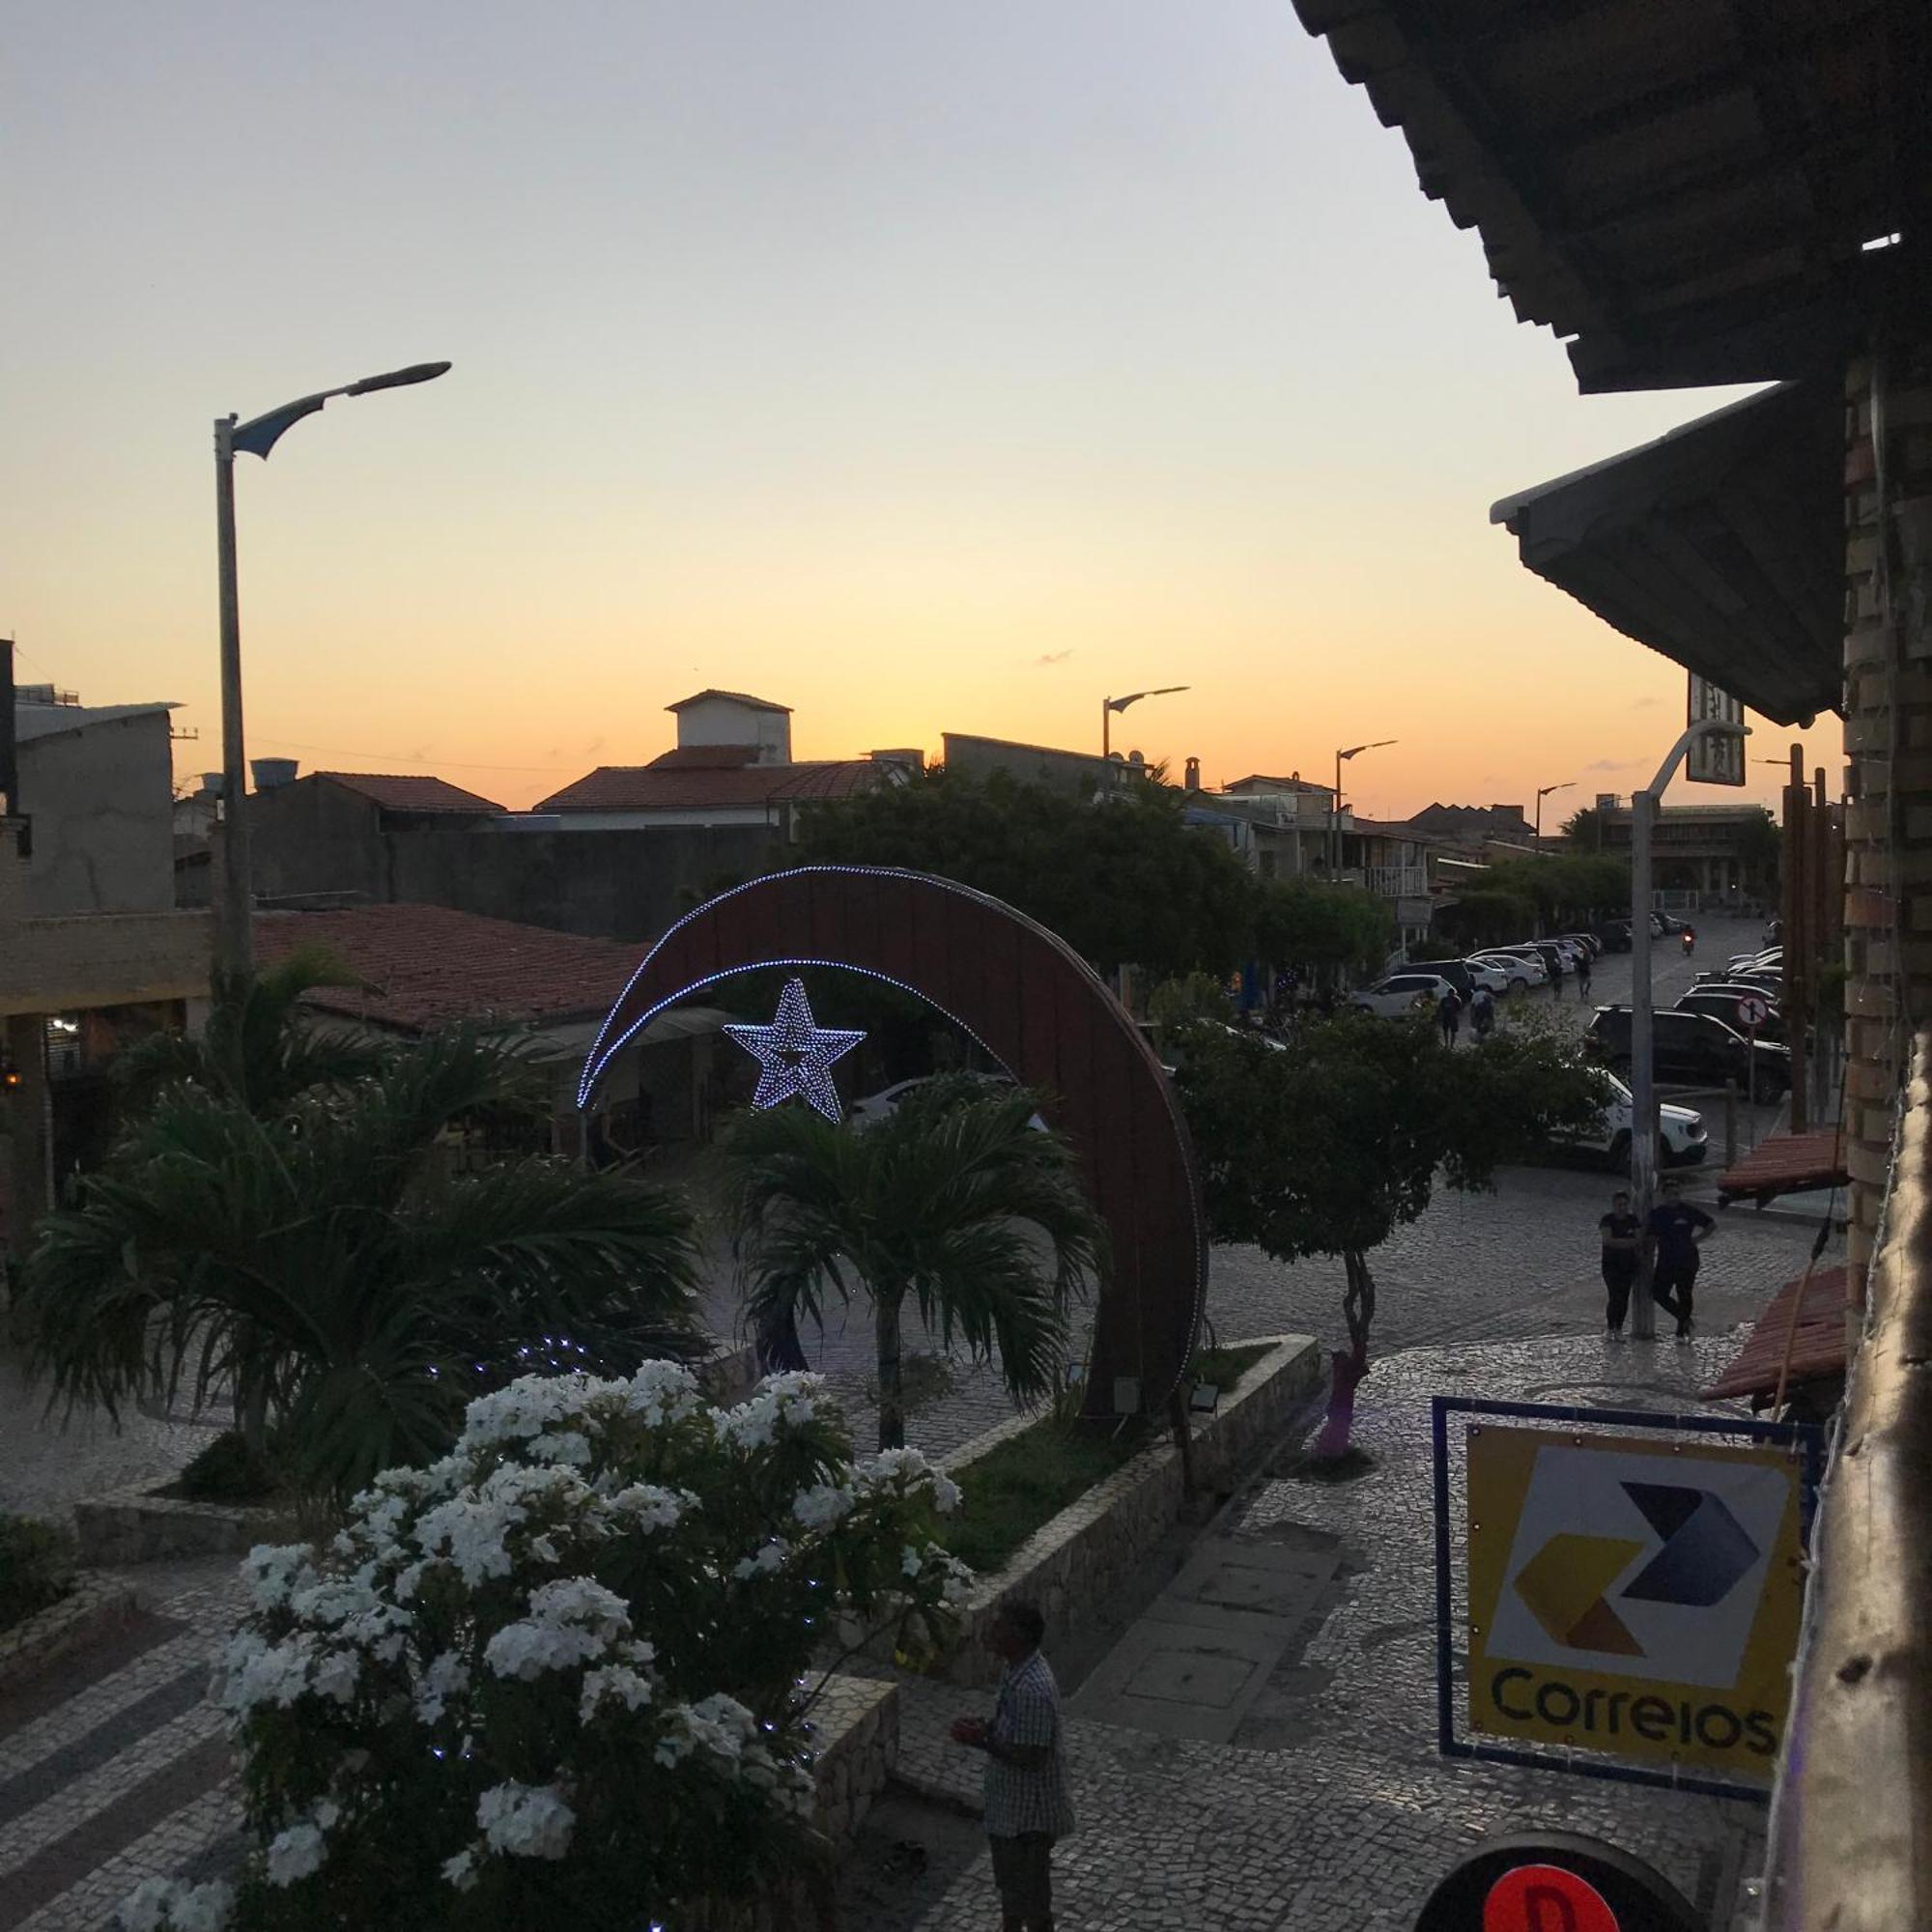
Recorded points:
1642,1081
1335,803
257,436
1110,705
1543,792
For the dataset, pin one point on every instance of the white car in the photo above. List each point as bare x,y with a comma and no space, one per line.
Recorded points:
878,1106
1495,978
1681,1132
1401,993
1525,970
1771,961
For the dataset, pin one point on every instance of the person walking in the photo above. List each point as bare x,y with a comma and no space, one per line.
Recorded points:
1622,1236
1449,1016
1482,1013
1027,1805
1583,973
1677,1230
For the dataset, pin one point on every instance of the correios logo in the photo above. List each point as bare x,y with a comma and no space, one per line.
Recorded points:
1567,1585
1665,1581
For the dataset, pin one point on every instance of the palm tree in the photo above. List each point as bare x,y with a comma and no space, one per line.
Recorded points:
326,1260
945,1199
258,1046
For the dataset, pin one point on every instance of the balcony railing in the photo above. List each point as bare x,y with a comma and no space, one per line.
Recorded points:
1851,1827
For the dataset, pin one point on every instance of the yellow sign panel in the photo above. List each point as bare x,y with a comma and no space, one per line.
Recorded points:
1633,1595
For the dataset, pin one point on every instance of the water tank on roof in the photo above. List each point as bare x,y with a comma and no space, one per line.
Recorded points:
212,785
273,772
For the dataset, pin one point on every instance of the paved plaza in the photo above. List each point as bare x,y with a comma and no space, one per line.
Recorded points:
1317,1803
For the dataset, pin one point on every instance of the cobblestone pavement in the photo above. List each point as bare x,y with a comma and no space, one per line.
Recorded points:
111,1768
1332,1808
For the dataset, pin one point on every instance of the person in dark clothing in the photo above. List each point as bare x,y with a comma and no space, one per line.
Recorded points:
1482,1012
1449,1016
1622,1236
1676,1231
1583,973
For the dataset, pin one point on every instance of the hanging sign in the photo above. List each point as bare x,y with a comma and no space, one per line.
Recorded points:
1717,757
1634,1595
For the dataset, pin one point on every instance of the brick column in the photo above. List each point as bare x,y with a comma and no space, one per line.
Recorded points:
1888,745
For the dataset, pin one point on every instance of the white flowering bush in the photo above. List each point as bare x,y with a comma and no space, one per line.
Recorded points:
563,1676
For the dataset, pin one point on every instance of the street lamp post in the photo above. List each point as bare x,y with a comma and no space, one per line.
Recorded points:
1110,705
1335,802
236,937
1643,1061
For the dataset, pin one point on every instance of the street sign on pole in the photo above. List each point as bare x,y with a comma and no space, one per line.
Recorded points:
1753,1009
1717,757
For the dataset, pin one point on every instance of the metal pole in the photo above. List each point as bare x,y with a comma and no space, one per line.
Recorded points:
1106,727
236,937
1335,825
1643,1088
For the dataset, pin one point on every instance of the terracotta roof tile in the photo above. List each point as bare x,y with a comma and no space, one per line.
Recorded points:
655,788
426,966
704,757
396,792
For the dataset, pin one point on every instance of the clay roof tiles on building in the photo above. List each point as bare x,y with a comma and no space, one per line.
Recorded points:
427,966
655,788
396,792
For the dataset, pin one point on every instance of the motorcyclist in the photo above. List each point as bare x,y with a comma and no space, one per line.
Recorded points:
1689,942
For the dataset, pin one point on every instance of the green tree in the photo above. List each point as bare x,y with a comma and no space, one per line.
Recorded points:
1567,889
1310,923
1583,830
944,1201
326,1264
1485,917
1326,1147
1126,881
258,1047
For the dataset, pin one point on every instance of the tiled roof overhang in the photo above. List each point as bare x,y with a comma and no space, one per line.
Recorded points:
1683,187
1718,545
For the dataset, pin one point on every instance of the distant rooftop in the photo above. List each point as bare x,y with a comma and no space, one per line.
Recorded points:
730,696
680,782
396,792
33,719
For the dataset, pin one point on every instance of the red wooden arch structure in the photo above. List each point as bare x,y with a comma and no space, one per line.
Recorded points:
1038,1009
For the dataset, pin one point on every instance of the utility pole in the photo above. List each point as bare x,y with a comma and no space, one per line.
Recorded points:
1643,1057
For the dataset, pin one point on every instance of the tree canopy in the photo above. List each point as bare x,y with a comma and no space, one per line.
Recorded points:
1126,881
1326,1146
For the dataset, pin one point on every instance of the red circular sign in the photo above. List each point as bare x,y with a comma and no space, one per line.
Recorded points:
1752,1012
1546,1898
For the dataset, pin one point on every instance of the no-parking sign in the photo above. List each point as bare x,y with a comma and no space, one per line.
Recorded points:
1753,1009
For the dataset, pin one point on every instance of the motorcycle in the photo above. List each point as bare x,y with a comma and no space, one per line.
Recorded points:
1690,943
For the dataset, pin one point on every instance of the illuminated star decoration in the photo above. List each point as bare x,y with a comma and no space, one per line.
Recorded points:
794,1055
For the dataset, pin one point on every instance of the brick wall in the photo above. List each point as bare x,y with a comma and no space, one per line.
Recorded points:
1888,745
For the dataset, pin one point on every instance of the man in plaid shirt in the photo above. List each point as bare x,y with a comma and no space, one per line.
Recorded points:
1027,1805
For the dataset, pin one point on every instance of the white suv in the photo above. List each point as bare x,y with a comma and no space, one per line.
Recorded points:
1681,1131
1401,993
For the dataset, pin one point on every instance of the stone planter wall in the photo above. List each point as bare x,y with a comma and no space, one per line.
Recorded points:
858,1725
94,1606
1089,1553
134,1527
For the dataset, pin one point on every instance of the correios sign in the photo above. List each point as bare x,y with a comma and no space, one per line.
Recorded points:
1632,1596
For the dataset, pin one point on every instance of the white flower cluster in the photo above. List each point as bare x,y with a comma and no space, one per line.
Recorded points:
166,1905
525,1821
451,1583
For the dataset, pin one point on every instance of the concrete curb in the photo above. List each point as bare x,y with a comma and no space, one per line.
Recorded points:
134,1526
94,1606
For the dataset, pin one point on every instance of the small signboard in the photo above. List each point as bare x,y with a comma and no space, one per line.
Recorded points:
1634,1594
1717,757
1753,1009
1555,1882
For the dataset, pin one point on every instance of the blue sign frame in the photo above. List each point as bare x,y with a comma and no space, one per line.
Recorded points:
1805,1440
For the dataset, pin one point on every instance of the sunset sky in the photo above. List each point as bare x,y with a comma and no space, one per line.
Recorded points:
920,367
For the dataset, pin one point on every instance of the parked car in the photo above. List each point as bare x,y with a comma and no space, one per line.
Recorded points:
1743,962
876,1107
1401,993
1492,978
1681,1132
1588,942
1528,966
1455,971
1723,1002
1615,933
1521,972
1764,979
1692,1050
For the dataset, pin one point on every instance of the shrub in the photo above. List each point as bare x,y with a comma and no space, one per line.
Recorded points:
35,1567
559,1678
227,1471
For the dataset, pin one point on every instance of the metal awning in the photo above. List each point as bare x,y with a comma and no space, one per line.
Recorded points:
1720,545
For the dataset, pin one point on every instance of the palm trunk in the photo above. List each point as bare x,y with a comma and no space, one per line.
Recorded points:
892,1396
1348,1367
